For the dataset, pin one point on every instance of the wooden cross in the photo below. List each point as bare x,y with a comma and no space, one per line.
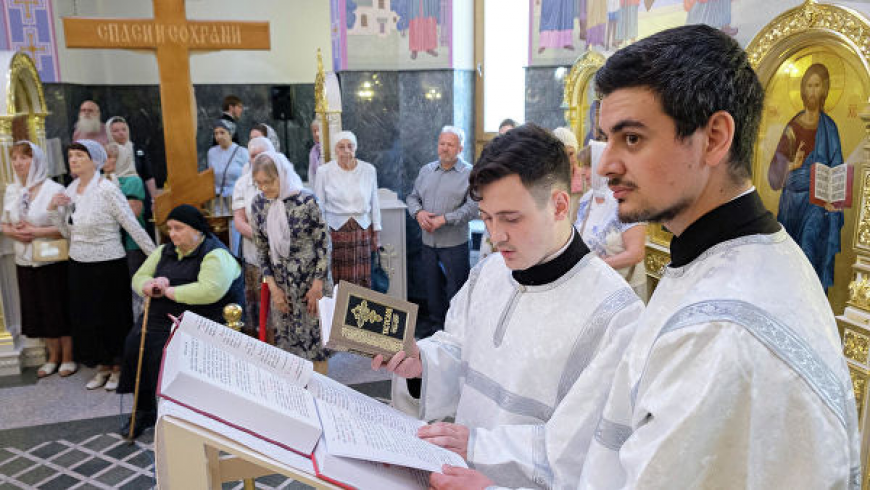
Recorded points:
172,36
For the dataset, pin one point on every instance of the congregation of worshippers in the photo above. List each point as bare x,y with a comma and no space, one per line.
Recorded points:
545,363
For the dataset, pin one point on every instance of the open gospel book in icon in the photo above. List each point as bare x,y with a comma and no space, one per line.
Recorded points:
365,322
831,185
246,385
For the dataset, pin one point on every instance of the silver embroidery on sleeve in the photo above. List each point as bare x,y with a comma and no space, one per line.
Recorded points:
590,337
611,435
505,399
776,336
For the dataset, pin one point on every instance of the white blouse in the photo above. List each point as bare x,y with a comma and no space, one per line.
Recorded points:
97,218
243,196
37,215
345,194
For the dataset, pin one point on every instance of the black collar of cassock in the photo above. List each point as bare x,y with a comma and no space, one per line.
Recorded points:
551,270
743,216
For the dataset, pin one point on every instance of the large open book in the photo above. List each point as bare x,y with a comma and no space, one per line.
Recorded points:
249,386
831,185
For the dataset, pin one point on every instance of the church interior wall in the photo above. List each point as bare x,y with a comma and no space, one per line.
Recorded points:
140,105
303,24
397,129
545,87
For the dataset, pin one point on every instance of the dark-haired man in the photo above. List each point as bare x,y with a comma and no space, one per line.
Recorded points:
232,108
532,339
735,378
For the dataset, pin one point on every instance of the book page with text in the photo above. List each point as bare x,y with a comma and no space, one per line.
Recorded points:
349,435
327,390
241,377
839,179
822,188
293,368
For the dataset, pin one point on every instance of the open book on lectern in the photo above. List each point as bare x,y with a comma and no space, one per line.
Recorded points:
275,396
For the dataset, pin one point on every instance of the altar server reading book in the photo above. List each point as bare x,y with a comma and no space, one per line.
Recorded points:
275,396
539,320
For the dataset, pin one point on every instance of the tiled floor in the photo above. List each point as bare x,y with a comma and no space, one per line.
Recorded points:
72,451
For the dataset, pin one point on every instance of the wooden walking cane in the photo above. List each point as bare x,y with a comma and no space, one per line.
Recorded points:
130,437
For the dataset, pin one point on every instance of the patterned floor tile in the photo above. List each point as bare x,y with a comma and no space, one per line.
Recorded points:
70,458
16,465
91,466
47,450
114,476
62,482
141,482
142,460
100,442
36,475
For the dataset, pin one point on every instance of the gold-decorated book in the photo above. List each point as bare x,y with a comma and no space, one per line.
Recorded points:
366,322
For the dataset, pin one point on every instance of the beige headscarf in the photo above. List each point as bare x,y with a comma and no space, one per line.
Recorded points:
125,166
36,175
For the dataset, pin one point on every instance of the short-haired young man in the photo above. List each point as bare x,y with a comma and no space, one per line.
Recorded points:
532,339
232,108
735,377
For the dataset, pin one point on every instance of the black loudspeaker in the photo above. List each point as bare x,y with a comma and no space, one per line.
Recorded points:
282,103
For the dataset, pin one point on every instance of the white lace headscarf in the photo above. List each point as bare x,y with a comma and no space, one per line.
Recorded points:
98,156
126,165
272,136
277,227
37,173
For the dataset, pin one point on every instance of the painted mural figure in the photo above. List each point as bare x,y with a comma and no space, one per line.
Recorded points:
596,22
557,24
809,137
714,13
423,19
626,22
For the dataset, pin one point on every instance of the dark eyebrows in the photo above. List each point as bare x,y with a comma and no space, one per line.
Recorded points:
627,123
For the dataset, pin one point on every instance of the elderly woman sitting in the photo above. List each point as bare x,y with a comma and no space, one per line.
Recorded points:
347,189
196,273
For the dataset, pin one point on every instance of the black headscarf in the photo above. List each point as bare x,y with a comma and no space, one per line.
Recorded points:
190,216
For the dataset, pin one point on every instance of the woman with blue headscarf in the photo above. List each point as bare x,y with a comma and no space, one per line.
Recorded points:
91,213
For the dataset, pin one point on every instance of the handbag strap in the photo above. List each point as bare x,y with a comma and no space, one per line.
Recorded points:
227,167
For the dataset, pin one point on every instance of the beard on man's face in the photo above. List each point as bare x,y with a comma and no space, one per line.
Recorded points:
87,124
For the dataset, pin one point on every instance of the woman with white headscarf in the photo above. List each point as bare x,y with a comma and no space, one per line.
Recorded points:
91,213
265,131
293,251
347,189
243,198
42,285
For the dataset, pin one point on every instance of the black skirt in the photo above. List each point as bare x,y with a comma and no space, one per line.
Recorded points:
44,300
101,310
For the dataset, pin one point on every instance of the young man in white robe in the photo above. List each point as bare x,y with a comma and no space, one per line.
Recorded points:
539,319
735,378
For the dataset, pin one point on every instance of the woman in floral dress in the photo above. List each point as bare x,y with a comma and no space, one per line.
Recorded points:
293,248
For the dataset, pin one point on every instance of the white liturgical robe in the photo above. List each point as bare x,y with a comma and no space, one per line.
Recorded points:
734,379
508,358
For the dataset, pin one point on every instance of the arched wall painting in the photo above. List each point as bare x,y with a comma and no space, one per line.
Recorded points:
797,132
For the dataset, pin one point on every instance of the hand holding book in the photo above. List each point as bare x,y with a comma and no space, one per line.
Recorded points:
404,365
